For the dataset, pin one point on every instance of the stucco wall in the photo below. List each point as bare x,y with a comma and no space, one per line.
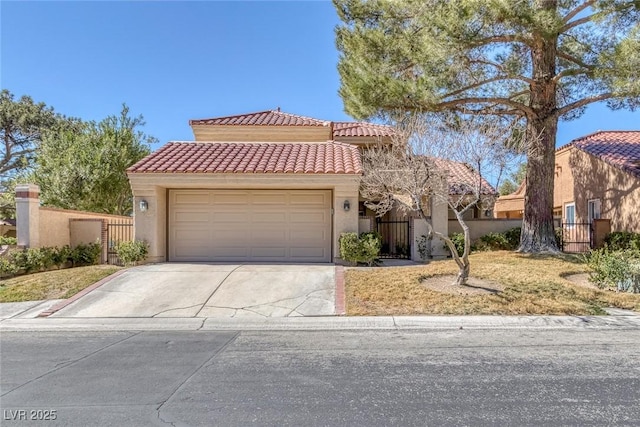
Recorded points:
54,228
85,230
151,225
235,133
480,227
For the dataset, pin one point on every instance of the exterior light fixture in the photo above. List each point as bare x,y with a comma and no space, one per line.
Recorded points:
144,205
346,206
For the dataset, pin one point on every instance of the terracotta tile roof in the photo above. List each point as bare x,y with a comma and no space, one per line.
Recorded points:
360,129
279,118
262,118
462,177
293,158
618,148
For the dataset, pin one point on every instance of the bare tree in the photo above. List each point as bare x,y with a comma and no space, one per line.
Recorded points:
435,157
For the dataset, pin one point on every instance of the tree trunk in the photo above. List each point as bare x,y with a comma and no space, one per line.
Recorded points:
537,226
463,275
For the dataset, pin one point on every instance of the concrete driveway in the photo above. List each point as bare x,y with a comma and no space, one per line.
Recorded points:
211,290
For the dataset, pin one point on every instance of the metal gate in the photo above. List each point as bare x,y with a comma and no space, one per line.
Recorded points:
117,232
396,240
577,237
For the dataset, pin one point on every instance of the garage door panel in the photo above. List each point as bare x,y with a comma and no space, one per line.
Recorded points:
230,237
228,253
233,217
309,199
269,199
309,217
269,218
308,253
191,217
250,225
231,198
269,252
269,236
192,198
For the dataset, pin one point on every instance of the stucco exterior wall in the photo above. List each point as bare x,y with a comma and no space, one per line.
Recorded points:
84,231
237,133
151,225
54,228
480,227
581,177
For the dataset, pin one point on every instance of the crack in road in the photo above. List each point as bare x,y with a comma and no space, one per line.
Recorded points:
56,368
205,363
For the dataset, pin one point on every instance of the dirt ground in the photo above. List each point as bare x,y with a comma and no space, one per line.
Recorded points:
474,286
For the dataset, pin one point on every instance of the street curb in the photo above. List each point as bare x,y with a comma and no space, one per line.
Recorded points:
340,291
80,294
335,323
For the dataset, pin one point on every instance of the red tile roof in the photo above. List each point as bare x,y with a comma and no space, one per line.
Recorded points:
279,118
294,158
262,118
618,148
360,129
463,177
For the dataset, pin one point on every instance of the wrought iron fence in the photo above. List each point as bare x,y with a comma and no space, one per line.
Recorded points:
118,231
396,240
577,237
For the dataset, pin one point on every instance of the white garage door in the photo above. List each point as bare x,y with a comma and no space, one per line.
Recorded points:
250,225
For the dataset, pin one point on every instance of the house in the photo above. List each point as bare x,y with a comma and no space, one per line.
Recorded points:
596,177
266,186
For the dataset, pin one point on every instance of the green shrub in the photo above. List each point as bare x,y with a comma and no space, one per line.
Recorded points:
458,242
615,268
30,260
131,253
493,242
61,256
85,254
622,240
360,249
513,237
8,267
11,241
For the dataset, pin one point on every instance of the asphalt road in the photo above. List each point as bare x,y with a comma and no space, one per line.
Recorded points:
321,378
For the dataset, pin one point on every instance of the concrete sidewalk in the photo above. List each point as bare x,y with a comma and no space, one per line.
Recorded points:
622,320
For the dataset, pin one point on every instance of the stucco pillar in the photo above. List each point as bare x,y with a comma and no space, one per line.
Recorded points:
440,224
28,215
150,222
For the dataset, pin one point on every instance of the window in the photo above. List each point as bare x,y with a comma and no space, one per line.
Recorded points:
594,208
570,213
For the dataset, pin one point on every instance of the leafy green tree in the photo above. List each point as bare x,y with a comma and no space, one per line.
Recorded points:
513,181
86,170
534,61
22,126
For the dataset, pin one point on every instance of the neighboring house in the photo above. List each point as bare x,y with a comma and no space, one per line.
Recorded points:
266,186
596,176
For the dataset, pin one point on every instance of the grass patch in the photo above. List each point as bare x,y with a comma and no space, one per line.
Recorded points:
54,284
533,284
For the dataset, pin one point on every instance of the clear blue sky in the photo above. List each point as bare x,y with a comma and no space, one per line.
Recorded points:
174,61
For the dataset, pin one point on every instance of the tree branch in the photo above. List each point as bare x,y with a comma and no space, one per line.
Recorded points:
581,103
575,60
526,110
569,16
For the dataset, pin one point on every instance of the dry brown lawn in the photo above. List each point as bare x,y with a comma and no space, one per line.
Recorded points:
52,284
516,283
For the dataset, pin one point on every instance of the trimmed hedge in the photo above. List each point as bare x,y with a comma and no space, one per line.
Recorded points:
33,260
360,249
